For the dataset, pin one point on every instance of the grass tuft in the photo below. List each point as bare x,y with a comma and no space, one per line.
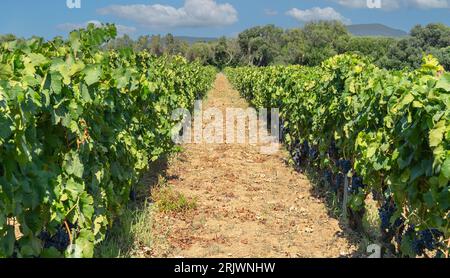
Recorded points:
168,200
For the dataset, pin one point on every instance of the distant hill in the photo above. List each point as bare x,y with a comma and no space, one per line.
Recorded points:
376,30
192,40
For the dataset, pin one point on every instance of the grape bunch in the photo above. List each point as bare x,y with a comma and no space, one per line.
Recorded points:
133,194
391,231
344,165
333,151
430,238
357,183
424,240
313,153
60,240
283,130
299,153
328,176
305,149
297,158
386,212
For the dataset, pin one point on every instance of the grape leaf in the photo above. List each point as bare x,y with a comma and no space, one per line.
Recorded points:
445,169
444,82
73,165
92,73
437,134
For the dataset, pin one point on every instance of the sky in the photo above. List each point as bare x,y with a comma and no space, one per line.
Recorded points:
208,18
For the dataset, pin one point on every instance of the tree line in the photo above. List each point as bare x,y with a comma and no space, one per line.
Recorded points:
310,45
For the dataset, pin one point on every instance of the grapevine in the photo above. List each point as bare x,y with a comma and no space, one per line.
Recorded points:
389,131
78,126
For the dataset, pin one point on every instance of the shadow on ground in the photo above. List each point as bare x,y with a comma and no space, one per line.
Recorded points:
358,237
121,239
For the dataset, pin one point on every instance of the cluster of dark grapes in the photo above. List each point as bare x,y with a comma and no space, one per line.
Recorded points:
296,155
333,151
424,240
297,159
421,241
396,231
391,231
357,183
328,176
430,238
299,153
305,149
334,181
386,211
283,130
60,240
133,194
344,165
313,153
304,152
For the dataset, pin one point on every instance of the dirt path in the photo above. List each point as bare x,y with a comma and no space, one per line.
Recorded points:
248,204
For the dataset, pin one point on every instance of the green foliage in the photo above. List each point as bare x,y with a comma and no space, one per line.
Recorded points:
78,126
324,40
373,47
393,125
260,45
310,45
408,53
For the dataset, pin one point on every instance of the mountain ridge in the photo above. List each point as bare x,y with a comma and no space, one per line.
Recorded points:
375,29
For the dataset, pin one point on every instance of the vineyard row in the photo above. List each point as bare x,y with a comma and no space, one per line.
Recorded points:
385,132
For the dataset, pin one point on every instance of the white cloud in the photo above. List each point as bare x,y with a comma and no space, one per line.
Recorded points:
121,29
397,4
194,13
316,13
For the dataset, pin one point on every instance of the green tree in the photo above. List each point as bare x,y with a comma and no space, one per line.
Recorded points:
374,47
433,35
294,48
324,39
261,45
200,51
222,57
7,38
142,43
156,46
174,46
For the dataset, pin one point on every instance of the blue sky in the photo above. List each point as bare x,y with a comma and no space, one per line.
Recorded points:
210,18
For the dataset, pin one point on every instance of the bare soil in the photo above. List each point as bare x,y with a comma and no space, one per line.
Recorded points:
247,204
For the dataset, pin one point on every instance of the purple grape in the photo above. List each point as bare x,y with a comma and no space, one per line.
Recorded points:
357,183
344,165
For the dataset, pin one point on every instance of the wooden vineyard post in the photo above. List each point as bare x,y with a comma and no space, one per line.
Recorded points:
345,200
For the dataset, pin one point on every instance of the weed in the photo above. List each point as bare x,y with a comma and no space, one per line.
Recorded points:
168,200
